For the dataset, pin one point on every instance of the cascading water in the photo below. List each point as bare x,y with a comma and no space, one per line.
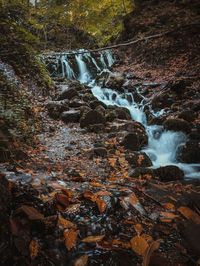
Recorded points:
162,145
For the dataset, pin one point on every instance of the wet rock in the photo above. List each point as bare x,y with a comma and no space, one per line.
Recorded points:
138,159
84,109
123,113
176,124
68,94
142,172
76,103
137,97
178,86
101,109
187,115
110,115
91,118
115,81
95,103
162,101
88,97
55,108
134,141
96,128
169,173
71,116
98,152
190,152
191,234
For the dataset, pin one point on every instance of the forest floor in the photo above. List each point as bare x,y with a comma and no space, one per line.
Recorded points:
72,200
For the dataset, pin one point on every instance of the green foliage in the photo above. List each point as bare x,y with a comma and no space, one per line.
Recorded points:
100,19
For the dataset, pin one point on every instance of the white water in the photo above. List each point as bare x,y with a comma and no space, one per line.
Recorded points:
162,145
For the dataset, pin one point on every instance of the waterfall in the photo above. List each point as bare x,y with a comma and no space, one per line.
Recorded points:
84,75
162,145
66,68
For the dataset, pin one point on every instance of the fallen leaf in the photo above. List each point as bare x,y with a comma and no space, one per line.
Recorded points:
121,244
66,224
149,251
169,206
89,195
70,238
91,239
62,199
168,215
34,248
138,228
82,261
189,214
139,245
31,212
101,205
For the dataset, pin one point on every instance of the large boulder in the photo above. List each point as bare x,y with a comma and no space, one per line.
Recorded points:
71,116
122,113
55,108
162,101
115,81
187,115
169,173
190,152
138,159
178,86
142,172
92,118
68,93
135,141
177,124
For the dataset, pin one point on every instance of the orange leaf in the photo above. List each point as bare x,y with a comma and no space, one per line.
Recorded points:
125,245
138,228
139,245
62,199
169,206
91,239
82,261
149,251
168,215
65,223
70,238
89,195
34,248
101,205
189,214
31,212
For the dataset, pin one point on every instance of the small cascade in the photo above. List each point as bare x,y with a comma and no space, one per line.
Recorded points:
66,68
162,145
84,75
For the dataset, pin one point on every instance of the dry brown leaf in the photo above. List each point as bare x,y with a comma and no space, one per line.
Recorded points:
70,238
133,199
62,199
103,193
101,205
31,212
89,195
82,261
112,161
66,224
189,214
138,228
168,215
121,244
149,251
91,239
34,248
169,206
96,184
139,245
